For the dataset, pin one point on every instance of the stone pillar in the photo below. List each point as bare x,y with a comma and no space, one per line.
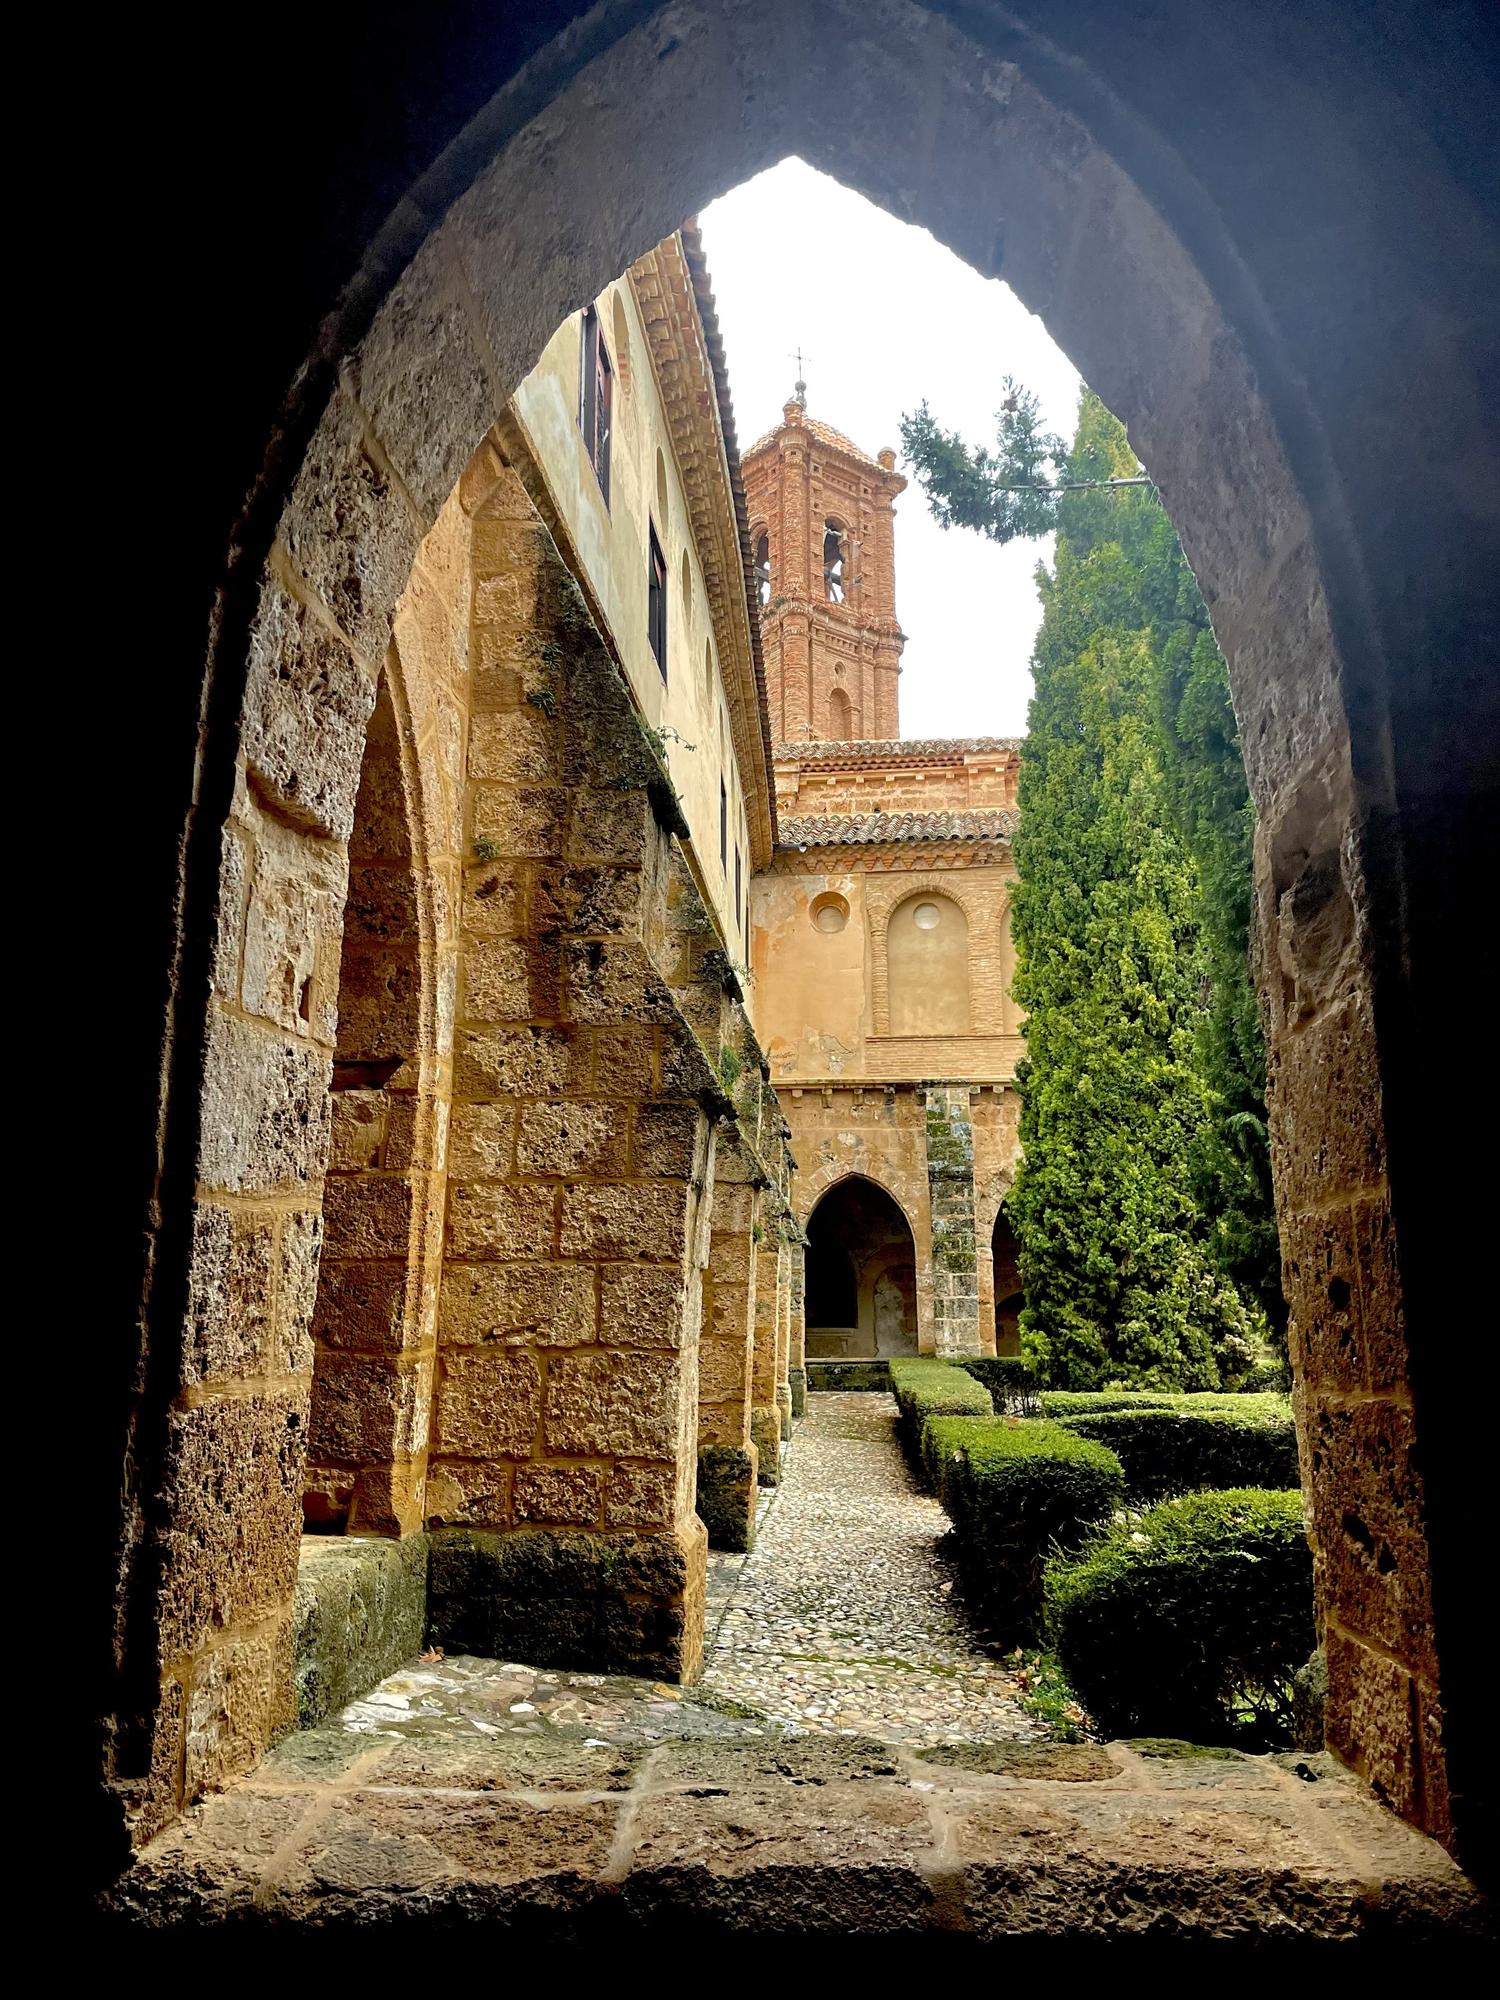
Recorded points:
765,1410
727,1459
797,1372
950,1180
562,1473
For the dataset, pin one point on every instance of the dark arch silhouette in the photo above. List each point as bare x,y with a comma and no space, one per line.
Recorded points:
1322,134
1005,1254
861,1296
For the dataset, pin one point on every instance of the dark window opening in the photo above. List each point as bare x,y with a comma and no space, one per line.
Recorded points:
739,886
656,603
763,569
723,827
596,401
833,562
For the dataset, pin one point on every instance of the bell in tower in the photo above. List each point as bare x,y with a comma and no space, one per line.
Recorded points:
823,539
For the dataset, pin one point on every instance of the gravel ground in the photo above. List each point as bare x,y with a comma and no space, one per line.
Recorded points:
844,1617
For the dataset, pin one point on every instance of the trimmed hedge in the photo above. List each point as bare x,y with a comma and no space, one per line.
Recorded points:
1010,1380
1015,1490
1185,1448
1091,1402
1192,1624
925,1387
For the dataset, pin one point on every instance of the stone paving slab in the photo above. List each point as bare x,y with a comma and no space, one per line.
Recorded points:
597,1810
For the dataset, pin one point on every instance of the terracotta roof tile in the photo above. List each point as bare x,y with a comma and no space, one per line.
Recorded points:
824,433
868,829
896,749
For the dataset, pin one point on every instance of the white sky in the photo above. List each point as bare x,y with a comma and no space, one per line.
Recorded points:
889,317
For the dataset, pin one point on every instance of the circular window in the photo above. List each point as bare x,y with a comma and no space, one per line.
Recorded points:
927,916
829,914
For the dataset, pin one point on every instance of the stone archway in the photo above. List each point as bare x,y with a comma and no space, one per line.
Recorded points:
1233,394
861,1275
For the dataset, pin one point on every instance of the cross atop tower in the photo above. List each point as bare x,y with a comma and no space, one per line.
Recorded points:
799,387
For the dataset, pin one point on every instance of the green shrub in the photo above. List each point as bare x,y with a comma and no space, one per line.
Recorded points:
925,1387
1275,1376
1195,1444
1010,1380
1088,1402
1015,1489
1192,1622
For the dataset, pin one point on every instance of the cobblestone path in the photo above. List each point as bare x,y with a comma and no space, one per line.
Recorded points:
843,1618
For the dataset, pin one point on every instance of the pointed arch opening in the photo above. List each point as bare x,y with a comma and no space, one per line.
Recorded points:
861,1297
1005,1253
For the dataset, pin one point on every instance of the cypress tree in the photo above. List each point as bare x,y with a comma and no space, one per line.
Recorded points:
1148,1249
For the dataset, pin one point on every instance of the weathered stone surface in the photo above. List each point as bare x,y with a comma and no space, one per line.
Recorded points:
239,1697
616,1405
765,1435
643,1219
727,1495
307,705
570,1495
672,1819
519,1305
501,1222
609,1603
640,1306
233,1473
488,1405
573,1140
361,1609
265,1109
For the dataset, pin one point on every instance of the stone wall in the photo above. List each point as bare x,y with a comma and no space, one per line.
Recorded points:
388,292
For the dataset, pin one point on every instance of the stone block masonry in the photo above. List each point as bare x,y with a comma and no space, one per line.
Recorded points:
950,1177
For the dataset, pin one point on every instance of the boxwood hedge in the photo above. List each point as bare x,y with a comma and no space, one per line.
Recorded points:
925,1387
1192,1622
1010,1380
1015,1490
1089,1402
1192,1445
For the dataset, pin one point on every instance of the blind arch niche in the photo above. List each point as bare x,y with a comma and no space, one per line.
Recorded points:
927,967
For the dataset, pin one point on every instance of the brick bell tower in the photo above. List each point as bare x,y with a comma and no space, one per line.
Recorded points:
822,528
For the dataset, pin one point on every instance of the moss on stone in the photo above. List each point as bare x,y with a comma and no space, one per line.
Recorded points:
1072,1763
765,1435
604,1604
361,1612
1176,1749
726,1496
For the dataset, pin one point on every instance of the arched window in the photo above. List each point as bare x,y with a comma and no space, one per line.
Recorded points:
835,551
763,568
927,967
840,725
687,592
708,673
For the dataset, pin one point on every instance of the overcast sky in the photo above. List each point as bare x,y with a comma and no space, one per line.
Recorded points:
888,317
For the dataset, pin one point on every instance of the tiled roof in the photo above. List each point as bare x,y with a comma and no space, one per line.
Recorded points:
896,749
825,434
869,829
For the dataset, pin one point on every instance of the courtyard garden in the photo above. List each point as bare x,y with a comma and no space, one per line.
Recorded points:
1141,1553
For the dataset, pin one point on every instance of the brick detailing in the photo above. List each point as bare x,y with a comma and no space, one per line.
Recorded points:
950,1179
832,656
